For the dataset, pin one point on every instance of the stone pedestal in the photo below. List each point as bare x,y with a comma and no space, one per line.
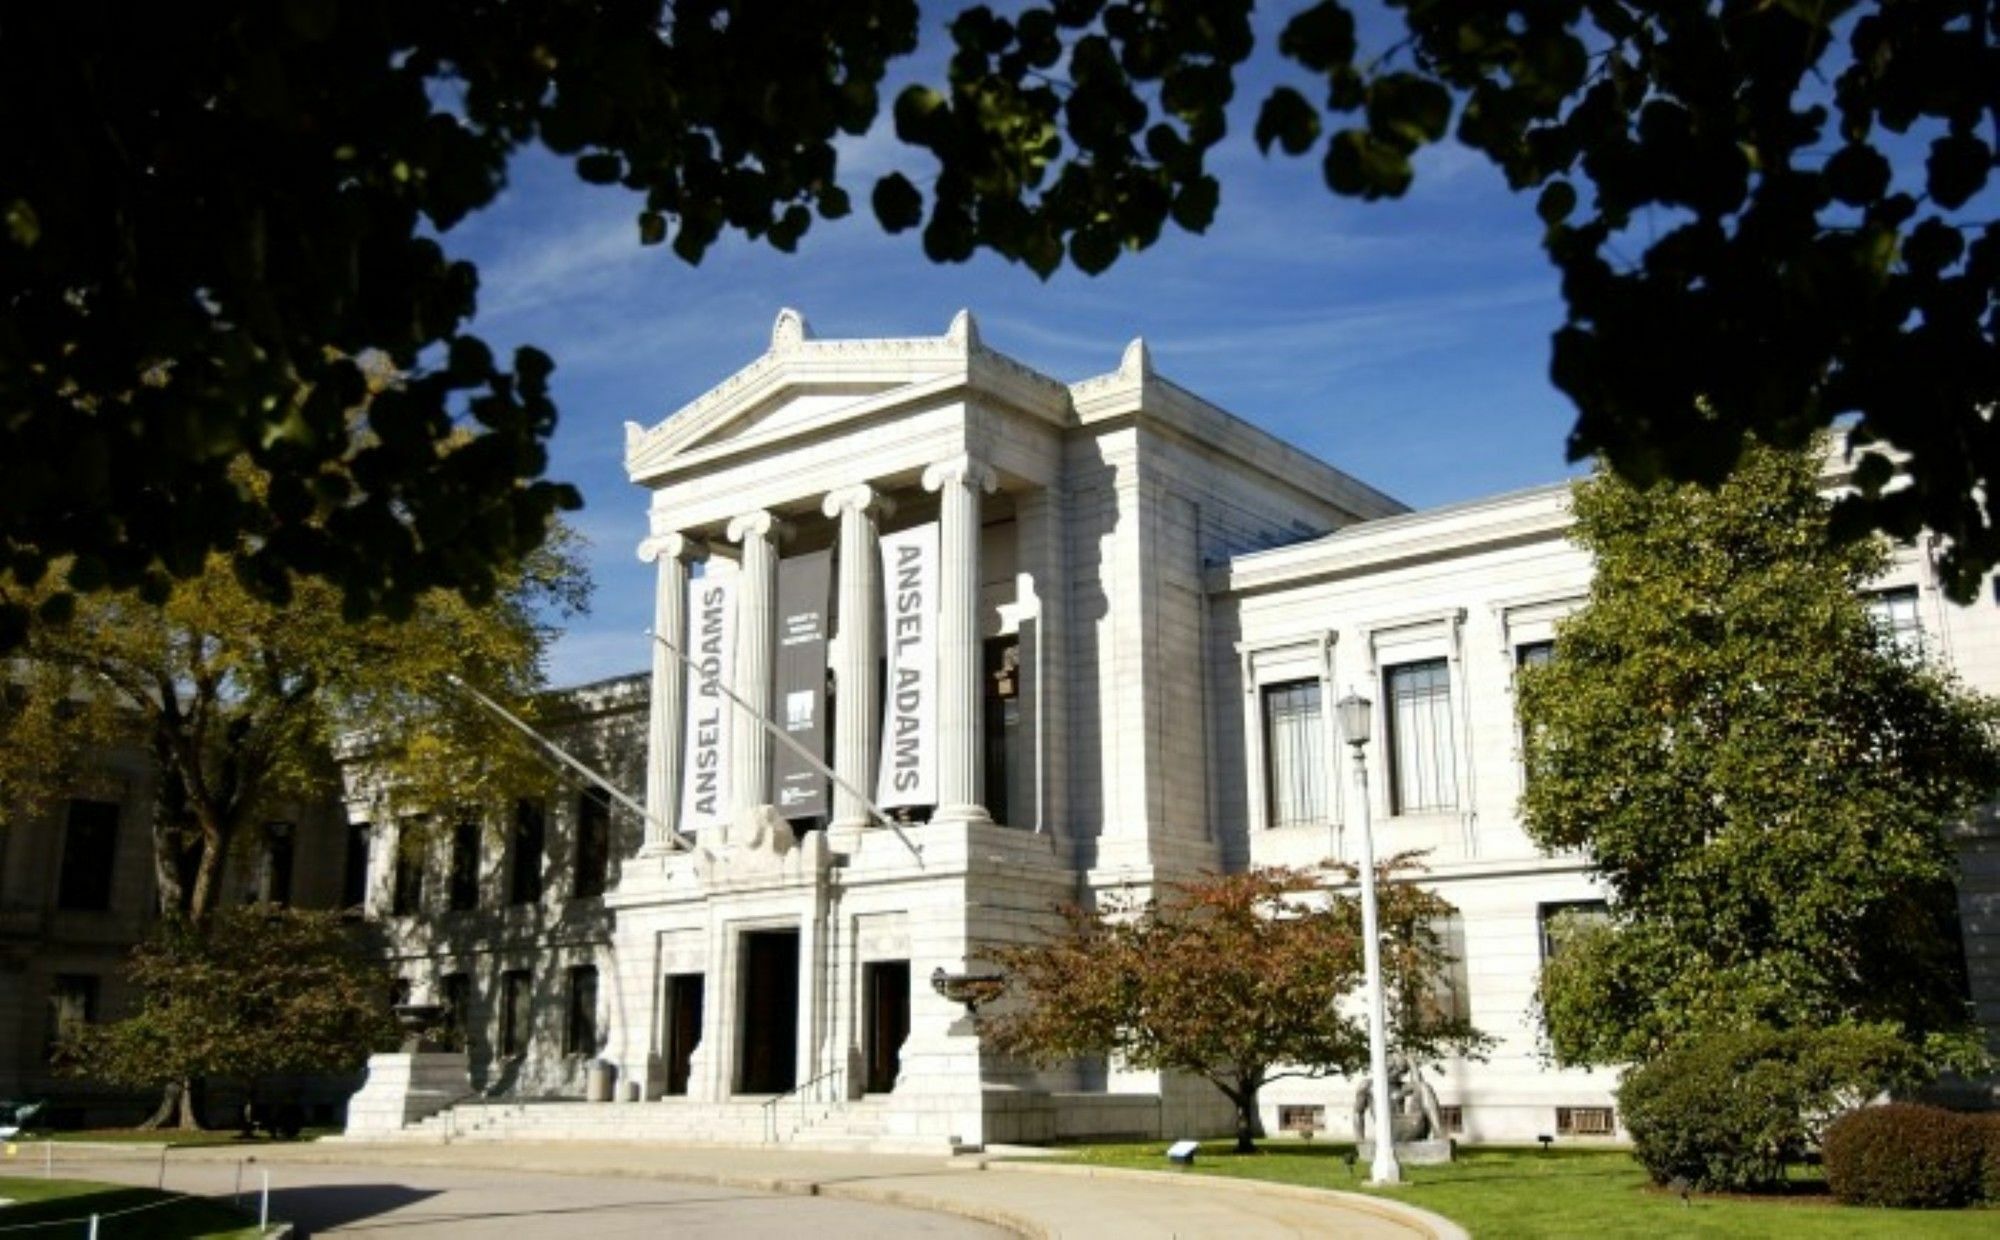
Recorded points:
406,1087
1408,1153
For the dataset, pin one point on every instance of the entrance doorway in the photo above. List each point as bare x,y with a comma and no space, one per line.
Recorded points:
768,1058
684,997
885,986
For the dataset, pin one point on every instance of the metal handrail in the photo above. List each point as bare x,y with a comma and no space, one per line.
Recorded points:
770,1105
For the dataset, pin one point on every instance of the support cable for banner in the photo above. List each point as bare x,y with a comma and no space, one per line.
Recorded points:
562,755
710,680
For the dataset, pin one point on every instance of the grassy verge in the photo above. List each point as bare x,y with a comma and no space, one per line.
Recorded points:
1588,1194
157,1215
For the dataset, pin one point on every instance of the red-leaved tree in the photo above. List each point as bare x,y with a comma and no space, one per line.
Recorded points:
1241,979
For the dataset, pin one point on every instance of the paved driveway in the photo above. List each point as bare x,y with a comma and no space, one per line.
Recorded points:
425,1202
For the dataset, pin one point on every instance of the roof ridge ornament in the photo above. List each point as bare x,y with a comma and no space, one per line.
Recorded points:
790,331
964,332
1137,363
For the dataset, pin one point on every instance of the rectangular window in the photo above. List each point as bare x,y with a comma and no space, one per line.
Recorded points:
464,866
455,992
1454,1120
1450,998
407,895
517,1011
530,842
1301,1118
1895,613
274,885
90,843
1423,763
1585,1122
1534,654
1560,922
1294,754
593,844
580,1027
354,878
72,1005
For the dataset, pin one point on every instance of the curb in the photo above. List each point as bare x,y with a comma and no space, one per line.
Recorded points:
1419,1221
1436,1226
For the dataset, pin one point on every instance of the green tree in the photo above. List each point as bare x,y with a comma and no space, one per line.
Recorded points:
255,991
1756,770
1240,979
1768,214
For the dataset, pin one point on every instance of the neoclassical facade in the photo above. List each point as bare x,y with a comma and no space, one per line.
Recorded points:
1051,640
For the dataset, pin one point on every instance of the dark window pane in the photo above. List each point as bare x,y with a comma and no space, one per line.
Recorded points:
90,842
580,1030
465,866
407,897
516,1011
1534,654
275,885
354,878
72,1005
530,841
593,844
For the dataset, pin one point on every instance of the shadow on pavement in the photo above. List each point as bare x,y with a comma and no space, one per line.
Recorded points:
315,1207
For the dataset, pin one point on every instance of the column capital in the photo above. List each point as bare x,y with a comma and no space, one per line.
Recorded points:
759,524
676,546
964,469
861,497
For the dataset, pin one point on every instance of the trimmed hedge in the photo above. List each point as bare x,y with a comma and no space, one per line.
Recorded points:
1904,1156
1728,1111
1989,1172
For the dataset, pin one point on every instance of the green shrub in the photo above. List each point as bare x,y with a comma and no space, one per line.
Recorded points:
1989,1172
1729,1111
1903,1156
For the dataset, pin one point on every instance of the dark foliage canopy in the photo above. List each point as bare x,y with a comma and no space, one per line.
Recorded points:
1767,215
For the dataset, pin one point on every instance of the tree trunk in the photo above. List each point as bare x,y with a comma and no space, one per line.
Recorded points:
1249,1125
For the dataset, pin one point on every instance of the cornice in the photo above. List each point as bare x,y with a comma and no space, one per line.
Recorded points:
1535,515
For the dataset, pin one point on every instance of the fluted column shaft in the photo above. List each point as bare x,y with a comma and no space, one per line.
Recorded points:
667,716
756,630
959,483
857,719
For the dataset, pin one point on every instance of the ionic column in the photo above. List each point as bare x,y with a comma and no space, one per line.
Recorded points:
961,740
857,716
756,629
673,553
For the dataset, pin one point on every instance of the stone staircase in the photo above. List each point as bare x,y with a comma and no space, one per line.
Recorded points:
822,1124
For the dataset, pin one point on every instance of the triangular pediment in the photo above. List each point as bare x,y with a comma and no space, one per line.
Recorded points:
801,383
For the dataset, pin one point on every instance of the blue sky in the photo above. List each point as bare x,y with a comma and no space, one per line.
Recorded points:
1406,342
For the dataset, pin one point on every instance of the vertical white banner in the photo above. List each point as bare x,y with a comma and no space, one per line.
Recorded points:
909,696
711,643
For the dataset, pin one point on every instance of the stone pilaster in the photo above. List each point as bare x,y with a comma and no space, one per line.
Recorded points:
959,483
857,643
673,553
756,628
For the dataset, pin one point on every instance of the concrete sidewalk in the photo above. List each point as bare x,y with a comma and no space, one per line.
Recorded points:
1030,1198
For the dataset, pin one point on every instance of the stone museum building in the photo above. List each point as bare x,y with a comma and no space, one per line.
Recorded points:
1054,641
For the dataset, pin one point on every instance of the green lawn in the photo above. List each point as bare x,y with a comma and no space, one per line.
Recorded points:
1593,1194
49,1201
